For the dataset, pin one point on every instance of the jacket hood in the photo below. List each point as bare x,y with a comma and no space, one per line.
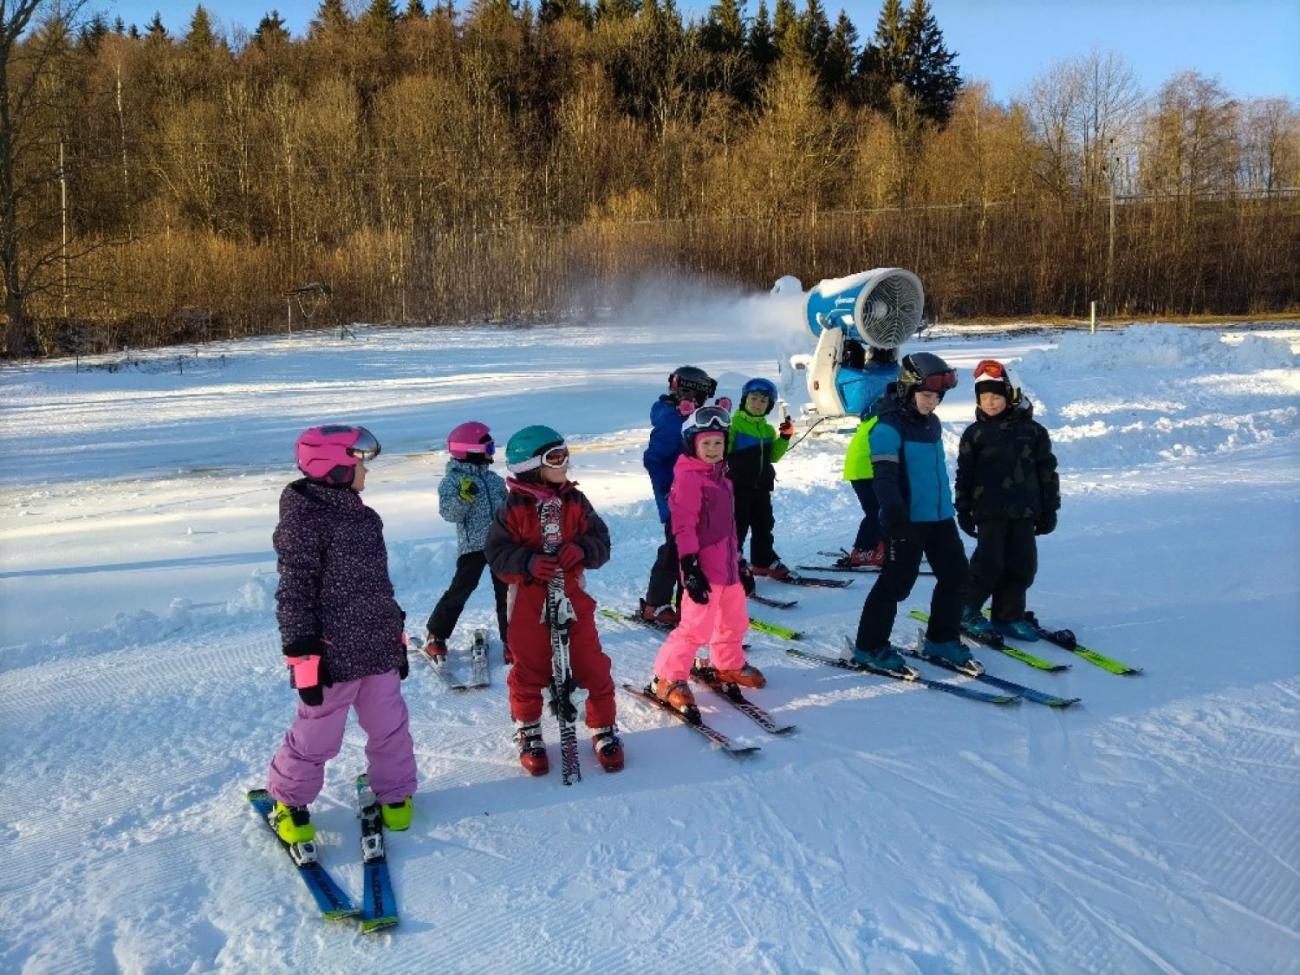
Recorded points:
687,463
540,491
305,494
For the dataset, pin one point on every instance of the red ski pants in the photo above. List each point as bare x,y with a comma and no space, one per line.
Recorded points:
530,643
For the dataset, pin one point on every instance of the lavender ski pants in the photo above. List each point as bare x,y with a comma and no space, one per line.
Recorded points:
720,623
298,768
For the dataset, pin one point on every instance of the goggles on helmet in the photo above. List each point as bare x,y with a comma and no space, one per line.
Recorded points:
709,418
364,448
990,370
554,457
938,382
487,447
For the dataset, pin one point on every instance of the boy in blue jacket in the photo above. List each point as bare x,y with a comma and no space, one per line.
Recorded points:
688,387
911,484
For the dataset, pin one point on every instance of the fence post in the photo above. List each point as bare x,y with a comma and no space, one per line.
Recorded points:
1092,319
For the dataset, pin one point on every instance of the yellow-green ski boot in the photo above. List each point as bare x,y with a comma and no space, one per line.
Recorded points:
293,823
397,815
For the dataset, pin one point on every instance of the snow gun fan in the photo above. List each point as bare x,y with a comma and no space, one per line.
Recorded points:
880,308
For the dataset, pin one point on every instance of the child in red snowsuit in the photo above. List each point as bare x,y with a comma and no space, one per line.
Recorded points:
539,460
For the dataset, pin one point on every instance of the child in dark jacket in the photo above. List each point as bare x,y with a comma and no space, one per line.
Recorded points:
342,633
1007,493
468,497
752,448
539,461
688,387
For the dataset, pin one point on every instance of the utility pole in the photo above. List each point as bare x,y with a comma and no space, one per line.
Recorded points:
63,198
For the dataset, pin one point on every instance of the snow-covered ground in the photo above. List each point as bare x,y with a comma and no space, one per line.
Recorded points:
1156,827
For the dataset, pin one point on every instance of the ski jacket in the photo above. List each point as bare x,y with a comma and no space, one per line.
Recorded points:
516,534
334,584
471,518
664,448
860,388
857,460
910,472
752,448
703,506
1005,466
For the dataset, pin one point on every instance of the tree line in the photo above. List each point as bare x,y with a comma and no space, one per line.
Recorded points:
516,162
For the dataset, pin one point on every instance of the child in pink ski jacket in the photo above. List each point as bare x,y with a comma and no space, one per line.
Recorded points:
714,576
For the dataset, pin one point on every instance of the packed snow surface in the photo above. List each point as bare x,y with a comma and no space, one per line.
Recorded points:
1153,828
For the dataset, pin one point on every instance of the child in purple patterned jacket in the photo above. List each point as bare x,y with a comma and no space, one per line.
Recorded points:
342,633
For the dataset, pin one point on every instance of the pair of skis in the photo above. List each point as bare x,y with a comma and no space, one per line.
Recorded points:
761,626
732,695
378,904
841,565
479,674
558,617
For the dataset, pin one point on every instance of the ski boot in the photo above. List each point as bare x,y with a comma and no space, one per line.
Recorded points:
532,750
746,676
1016,630
677,695
778,570
397,815
436,648
863,558
886,658
609,748
665,615
974,623
953,652
292,823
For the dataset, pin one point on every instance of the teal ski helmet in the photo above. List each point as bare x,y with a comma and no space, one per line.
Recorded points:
525,450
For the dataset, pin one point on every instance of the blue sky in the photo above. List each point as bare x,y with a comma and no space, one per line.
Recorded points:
1249,45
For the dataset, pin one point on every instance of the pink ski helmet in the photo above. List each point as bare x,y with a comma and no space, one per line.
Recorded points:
330,453
471,438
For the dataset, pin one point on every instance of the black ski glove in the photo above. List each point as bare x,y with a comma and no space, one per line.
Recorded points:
746,578
1045,524
966,522
693,580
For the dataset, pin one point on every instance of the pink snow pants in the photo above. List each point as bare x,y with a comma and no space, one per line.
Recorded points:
721,623
298,768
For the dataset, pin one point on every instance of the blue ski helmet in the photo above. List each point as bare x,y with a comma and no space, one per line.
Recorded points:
528,443
759,385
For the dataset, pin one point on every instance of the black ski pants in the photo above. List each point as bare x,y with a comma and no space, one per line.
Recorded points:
469,569
869,529
754,517
665,576
1003,566
939,542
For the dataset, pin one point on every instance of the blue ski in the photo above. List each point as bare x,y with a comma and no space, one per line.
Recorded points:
379,906
1028,693
329,897
913,678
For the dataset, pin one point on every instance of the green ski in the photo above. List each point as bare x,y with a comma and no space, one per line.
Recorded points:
1015,653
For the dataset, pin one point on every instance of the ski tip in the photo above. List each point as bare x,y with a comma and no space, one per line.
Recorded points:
254,795
375,924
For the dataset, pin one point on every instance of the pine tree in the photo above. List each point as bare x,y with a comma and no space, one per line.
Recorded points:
157,32
331,17
270,30
723,31
786,33
415,10
549,11
616,9
838,63
761,42
200,38
931,76
816,31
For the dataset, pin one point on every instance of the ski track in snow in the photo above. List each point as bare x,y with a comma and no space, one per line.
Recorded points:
1152,828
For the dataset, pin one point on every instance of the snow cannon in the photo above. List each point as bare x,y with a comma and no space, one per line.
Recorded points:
880,308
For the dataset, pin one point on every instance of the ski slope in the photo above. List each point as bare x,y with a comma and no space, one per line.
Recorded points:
1153,828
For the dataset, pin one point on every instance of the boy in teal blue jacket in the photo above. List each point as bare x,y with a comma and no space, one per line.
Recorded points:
912,486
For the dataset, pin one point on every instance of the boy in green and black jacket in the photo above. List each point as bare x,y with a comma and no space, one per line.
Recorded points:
752,448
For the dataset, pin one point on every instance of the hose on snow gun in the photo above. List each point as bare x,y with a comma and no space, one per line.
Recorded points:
811,427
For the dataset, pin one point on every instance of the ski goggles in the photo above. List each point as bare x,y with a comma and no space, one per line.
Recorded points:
708,418
365,447
938,382
487,448
990,370
553,457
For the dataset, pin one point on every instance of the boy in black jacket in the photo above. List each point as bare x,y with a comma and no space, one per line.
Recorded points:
1007,493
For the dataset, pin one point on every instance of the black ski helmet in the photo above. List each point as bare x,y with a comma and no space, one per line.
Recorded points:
693,383
924,370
